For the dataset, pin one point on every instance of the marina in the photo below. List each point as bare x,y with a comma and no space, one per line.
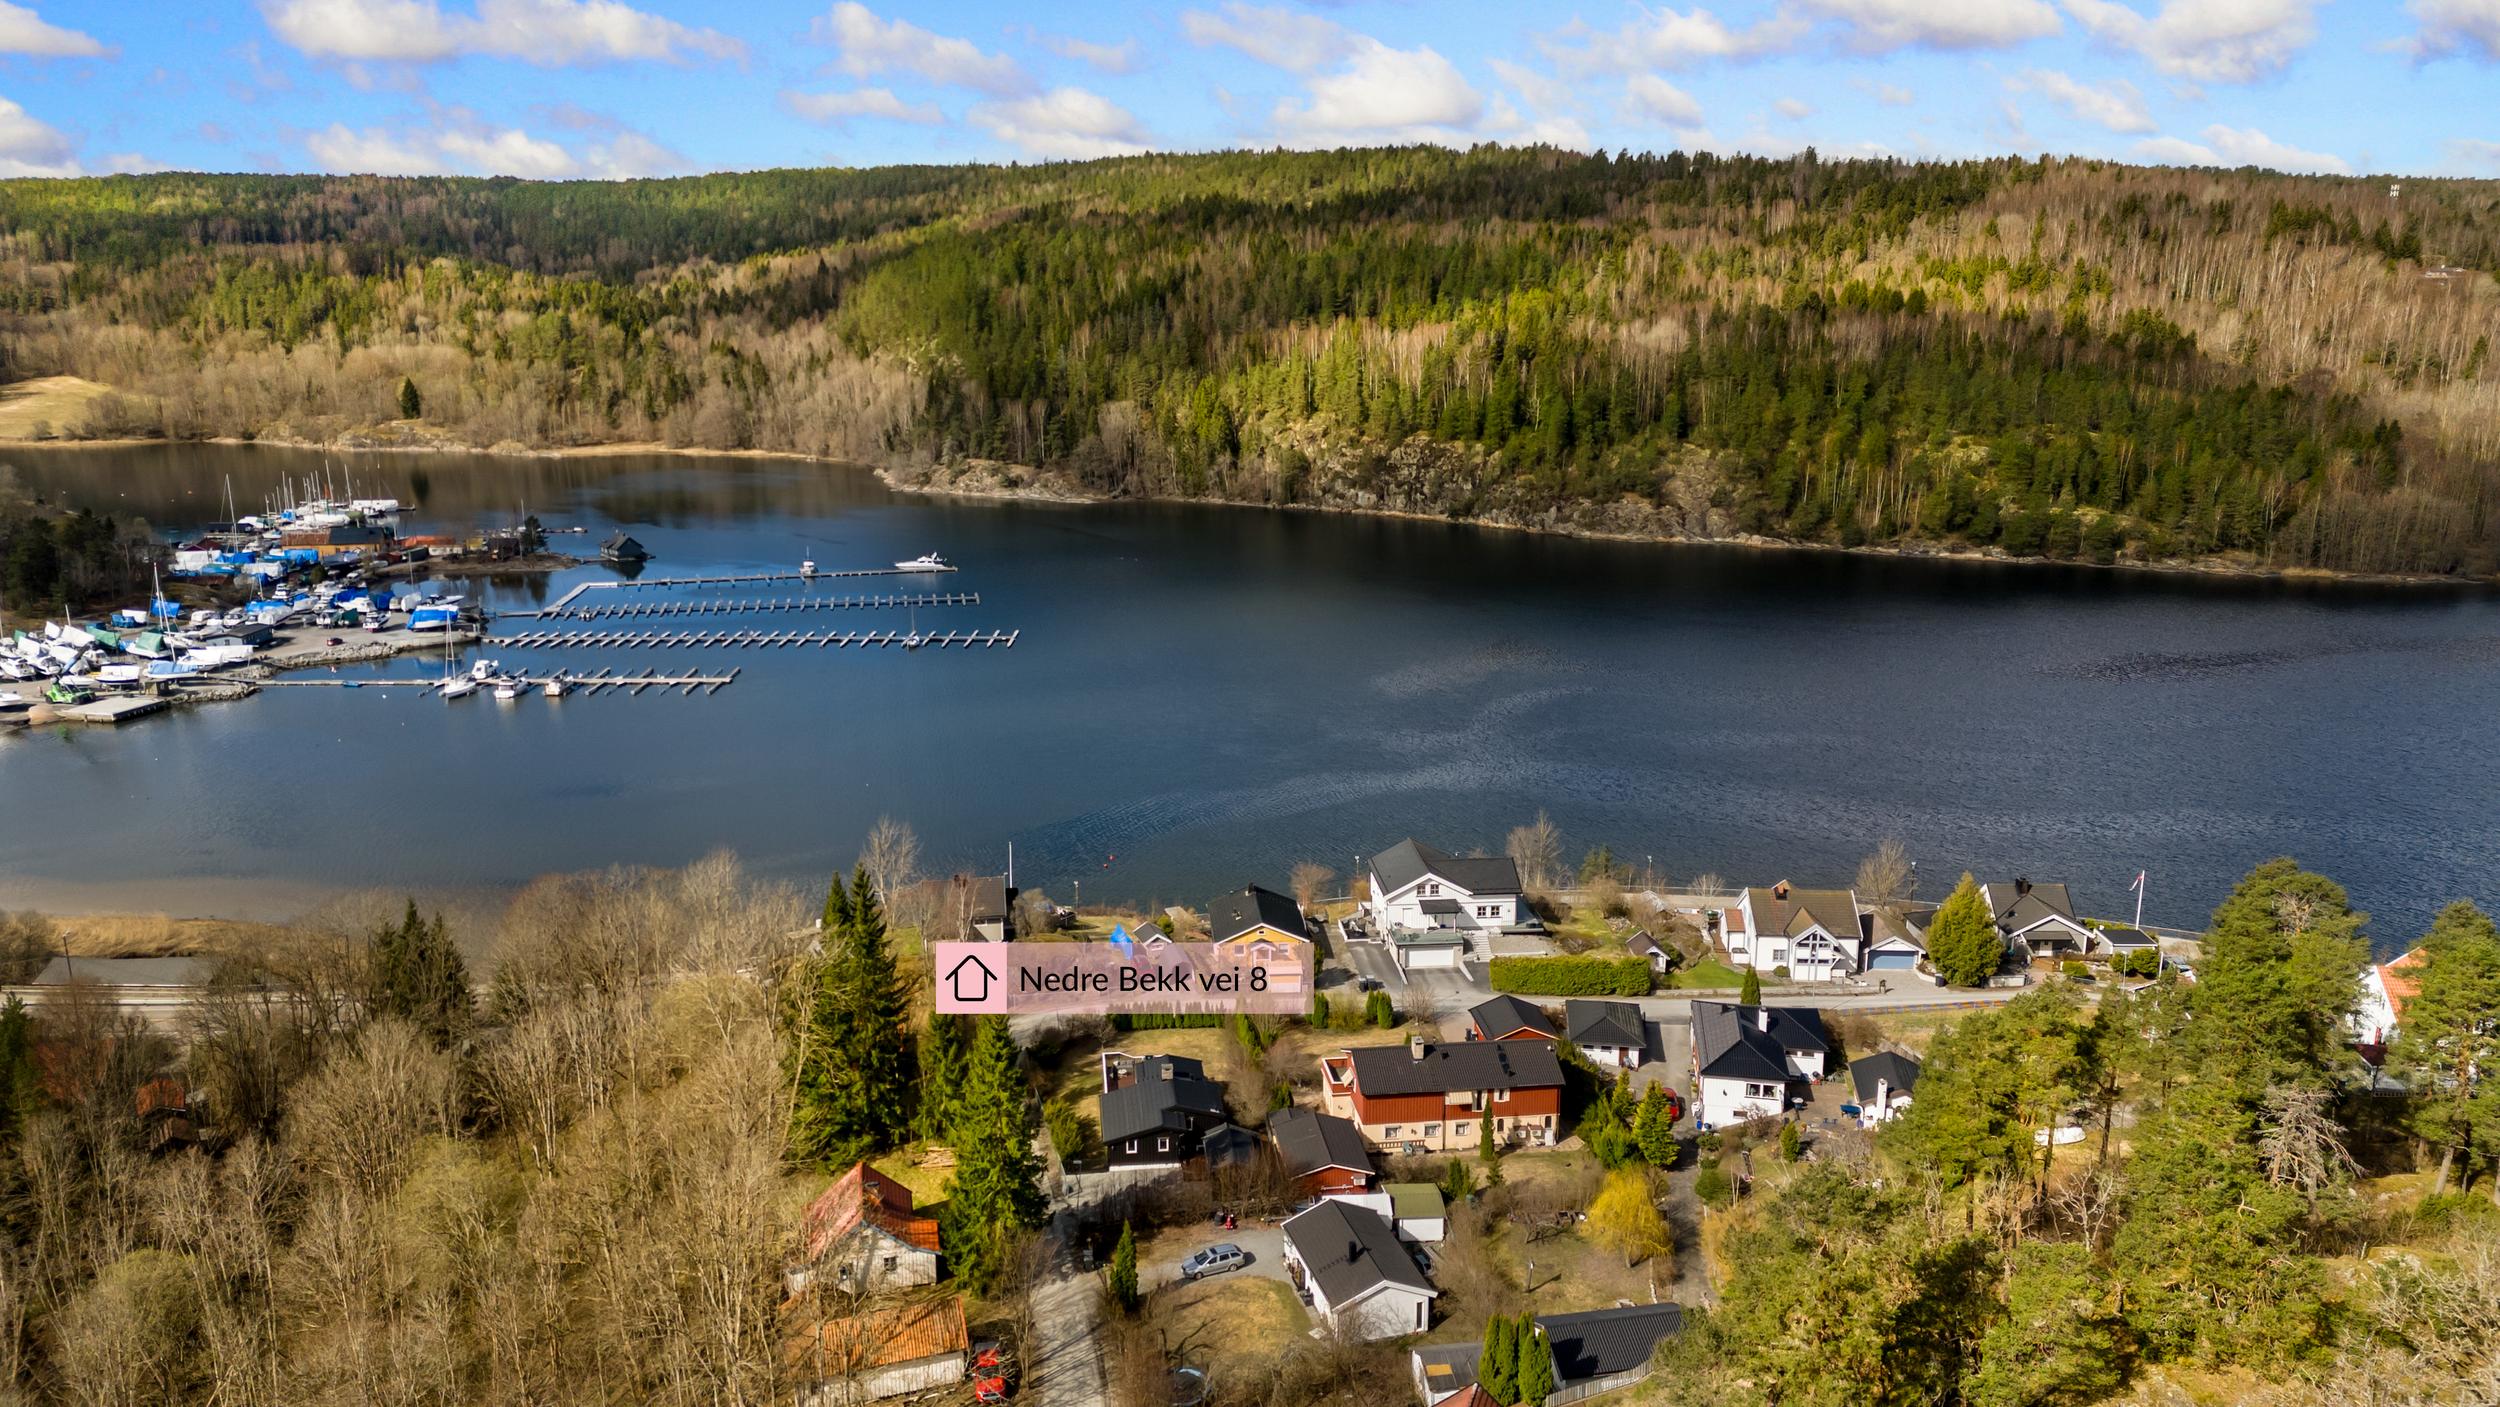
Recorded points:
748,639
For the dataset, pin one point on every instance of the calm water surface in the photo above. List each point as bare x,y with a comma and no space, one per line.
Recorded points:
1206,695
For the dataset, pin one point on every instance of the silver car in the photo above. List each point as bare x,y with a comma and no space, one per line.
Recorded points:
1214,1260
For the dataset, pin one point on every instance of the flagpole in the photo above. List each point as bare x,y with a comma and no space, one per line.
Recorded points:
2139,901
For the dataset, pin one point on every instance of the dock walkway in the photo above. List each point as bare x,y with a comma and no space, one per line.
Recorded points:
565,601
648,610
748,639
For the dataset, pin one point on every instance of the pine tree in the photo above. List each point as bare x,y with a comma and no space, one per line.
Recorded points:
1124,1269
1962,939
411,405
1653,1129
2450,1038
1458,1184
1497,1363
943,1050
853,1084
418,976
995,1187
1489,1151
1749,992
1536,1363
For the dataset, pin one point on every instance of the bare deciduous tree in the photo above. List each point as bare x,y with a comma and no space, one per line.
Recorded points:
1310,882
891,857
1536,848
1887,876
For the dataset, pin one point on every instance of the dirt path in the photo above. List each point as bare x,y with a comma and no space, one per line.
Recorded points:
1066,1366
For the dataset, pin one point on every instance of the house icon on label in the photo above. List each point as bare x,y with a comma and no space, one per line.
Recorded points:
971,979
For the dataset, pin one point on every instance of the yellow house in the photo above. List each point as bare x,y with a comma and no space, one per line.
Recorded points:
1251,924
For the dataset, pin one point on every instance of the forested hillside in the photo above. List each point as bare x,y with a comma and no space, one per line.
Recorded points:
2060,358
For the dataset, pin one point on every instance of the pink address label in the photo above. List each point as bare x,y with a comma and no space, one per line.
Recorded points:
1037,979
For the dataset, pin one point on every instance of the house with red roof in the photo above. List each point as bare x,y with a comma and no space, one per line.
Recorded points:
2385,989
862,1236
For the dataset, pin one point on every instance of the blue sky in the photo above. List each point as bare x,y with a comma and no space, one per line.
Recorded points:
563,88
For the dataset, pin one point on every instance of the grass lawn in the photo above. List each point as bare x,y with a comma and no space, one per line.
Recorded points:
1707,974
927,1184
1230,1325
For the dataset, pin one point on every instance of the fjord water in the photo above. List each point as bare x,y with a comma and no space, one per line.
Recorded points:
1203,696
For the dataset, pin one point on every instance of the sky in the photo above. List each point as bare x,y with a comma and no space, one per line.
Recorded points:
556,89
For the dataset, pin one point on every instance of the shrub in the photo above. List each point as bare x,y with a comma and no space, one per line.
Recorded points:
1792,1143
1713,1186
2143,962
1572,976
1378,1010
2076,968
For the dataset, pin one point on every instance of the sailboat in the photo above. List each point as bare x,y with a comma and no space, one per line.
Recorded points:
915,640
454,686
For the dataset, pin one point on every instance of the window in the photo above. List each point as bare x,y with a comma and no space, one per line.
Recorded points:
1463,1130
1390,1132
1432,889
1132,1145
891,1262
1432,1130
1756,1090
1163,1144
1501,1096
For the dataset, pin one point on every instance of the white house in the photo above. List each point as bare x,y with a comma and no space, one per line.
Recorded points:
1816,934
1883,1082
1747,1060
1422,892
2385,988
1611,1034
863,1234
2038,920
1361,1279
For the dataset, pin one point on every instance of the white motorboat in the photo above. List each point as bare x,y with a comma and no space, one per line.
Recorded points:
807,569
925,562
506,690
483,670
556,687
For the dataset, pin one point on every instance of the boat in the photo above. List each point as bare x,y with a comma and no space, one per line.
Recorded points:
925,562
171,669
506,690
483,670
434,615
556,686
807,569
119,675
458,686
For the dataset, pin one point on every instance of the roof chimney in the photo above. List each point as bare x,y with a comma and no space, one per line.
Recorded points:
2021,887
1415,1047
1780,890
1762,1018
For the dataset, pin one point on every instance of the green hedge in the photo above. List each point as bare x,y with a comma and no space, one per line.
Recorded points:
1572,976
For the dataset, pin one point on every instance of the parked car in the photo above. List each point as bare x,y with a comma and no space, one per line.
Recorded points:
1214,1260
1368,984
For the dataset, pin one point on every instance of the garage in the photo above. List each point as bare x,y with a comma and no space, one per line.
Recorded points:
1429,952
1892,962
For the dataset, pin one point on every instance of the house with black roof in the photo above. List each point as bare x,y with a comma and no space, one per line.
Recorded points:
1155,1110
1508,1018
1883,1082
1433,1097
1324,1155
1749,1061
1358,1278
1253,913
1438,910
1594,1351
1608,1033
2038,920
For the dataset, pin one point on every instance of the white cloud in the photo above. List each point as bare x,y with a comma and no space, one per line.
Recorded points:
2476,153
1542,91
1888,94
22,31
1108,58
1064,124
2452,25
1279,38
1653,100
1879,26
29,146
549,33
1794,109
1384,95
860,102
872,46
1669,38
463,145
2240,146
2115,105
2211,41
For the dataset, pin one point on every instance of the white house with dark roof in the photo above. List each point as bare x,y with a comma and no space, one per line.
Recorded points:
1883,1082
1815,934
2038,920
1608,1033
1360,1279
1417,890
1747,1060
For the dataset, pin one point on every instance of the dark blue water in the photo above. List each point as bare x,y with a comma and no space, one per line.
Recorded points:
1207,695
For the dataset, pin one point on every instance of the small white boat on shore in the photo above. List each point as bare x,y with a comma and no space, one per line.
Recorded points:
925,562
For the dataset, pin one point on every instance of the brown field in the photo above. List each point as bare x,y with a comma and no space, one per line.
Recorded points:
55,403
1230,1325
157,935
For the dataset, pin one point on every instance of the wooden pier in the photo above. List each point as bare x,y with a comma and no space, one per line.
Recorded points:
749,639
652,610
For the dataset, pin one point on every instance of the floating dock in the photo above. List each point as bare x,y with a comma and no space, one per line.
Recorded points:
113,710
565,601
647,610
748,639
